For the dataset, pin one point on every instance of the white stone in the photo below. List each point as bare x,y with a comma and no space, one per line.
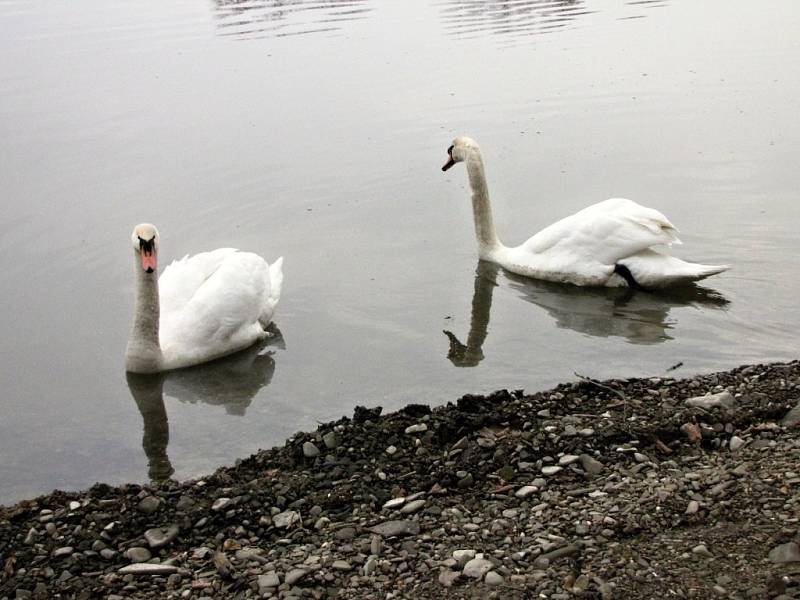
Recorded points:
525,491
477,567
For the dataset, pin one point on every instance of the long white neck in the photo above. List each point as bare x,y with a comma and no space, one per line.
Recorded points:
481,207
143,354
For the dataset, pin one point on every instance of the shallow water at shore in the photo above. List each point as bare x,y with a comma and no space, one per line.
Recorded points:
316,131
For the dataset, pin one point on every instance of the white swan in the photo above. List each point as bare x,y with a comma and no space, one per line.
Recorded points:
606,244
201,308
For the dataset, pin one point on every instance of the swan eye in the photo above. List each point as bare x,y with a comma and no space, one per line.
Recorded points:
450,150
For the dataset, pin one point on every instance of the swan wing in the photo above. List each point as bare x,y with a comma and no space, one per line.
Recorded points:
604,233
212,304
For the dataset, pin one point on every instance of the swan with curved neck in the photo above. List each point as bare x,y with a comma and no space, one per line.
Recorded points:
201,308
611,243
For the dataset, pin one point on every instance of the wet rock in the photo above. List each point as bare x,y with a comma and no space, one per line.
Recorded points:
294,576
331,440
287,519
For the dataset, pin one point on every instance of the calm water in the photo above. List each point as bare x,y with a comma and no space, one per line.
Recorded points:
316,130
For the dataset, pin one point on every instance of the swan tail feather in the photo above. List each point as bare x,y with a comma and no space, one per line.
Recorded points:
653,270
275,281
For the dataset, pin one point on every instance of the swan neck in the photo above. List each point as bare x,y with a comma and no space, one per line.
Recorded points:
143,354
481,206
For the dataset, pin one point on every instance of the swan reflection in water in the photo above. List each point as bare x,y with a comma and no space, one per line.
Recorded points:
231,382
639,317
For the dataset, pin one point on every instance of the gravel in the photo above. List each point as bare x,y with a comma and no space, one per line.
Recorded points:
620,489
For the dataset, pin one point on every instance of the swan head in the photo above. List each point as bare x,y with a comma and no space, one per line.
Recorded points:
459,150
145,242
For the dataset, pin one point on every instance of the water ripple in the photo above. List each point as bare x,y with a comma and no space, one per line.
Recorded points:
517,18
251,19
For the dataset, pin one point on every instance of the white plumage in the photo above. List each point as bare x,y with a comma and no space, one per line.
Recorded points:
206,306
594,246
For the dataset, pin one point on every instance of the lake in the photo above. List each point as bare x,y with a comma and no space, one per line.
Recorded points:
316,131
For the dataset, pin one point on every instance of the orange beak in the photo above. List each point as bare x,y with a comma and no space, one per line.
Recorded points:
148,260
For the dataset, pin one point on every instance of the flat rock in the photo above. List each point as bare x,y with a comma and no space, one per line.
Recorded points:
268,580
412,507
294,576
721,400
791,418
148,569
148,505
493,578
447,577
395,528
137,554
785,553
591,465
525,491
310,450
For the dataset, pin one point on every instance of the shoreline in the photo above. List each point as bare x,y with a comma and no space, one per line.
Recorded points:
612,489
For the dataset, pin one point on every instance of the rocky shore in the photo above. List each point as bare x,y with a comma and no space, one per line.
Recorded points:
620,489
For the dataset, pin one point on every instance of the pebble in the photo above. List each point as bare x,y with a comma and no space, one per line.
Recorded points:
477,567
331,440
412,507
418,428
735,443
221,504
551,470
525,491
137,554
493,578
148,505
395,528
785,553
591,465
310,450
286,519
148,569
161,536
295,575
721,400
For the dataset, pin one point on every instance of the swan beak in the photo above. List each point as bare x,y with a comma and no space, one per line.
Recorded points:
148,260
450,162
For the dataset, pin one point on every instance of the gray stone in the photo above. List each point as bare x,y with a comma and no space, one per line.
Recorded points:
108,553
418,428
148,569
394,503
785,553
462,557
551,470
370,565
412,507
722,400
161,536
294,576
791,418
693,507
701,550
493,578
221,504
62,552
341,565
525,491
310,450
331,440
148,505
286,519
568,459
185,503
137,554
477,567
735,443
591,465
395,528
268,580
447,577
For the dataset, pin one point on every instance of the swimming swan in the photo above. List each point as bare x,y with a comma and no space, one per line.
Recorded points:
201,308
606,244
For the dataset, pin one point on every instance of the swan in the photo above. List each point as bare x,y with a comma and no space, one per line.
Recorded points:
610,243
201,308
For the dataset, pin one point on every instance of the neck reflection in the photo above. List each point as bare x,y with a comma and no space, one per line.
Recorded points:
231,382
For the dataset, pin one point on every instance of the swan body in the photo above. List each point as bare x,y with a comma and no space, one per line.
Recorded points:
611,243
202,307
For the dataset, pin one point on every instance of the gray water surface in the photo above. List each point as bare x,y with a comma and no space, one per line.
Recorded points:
316,131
